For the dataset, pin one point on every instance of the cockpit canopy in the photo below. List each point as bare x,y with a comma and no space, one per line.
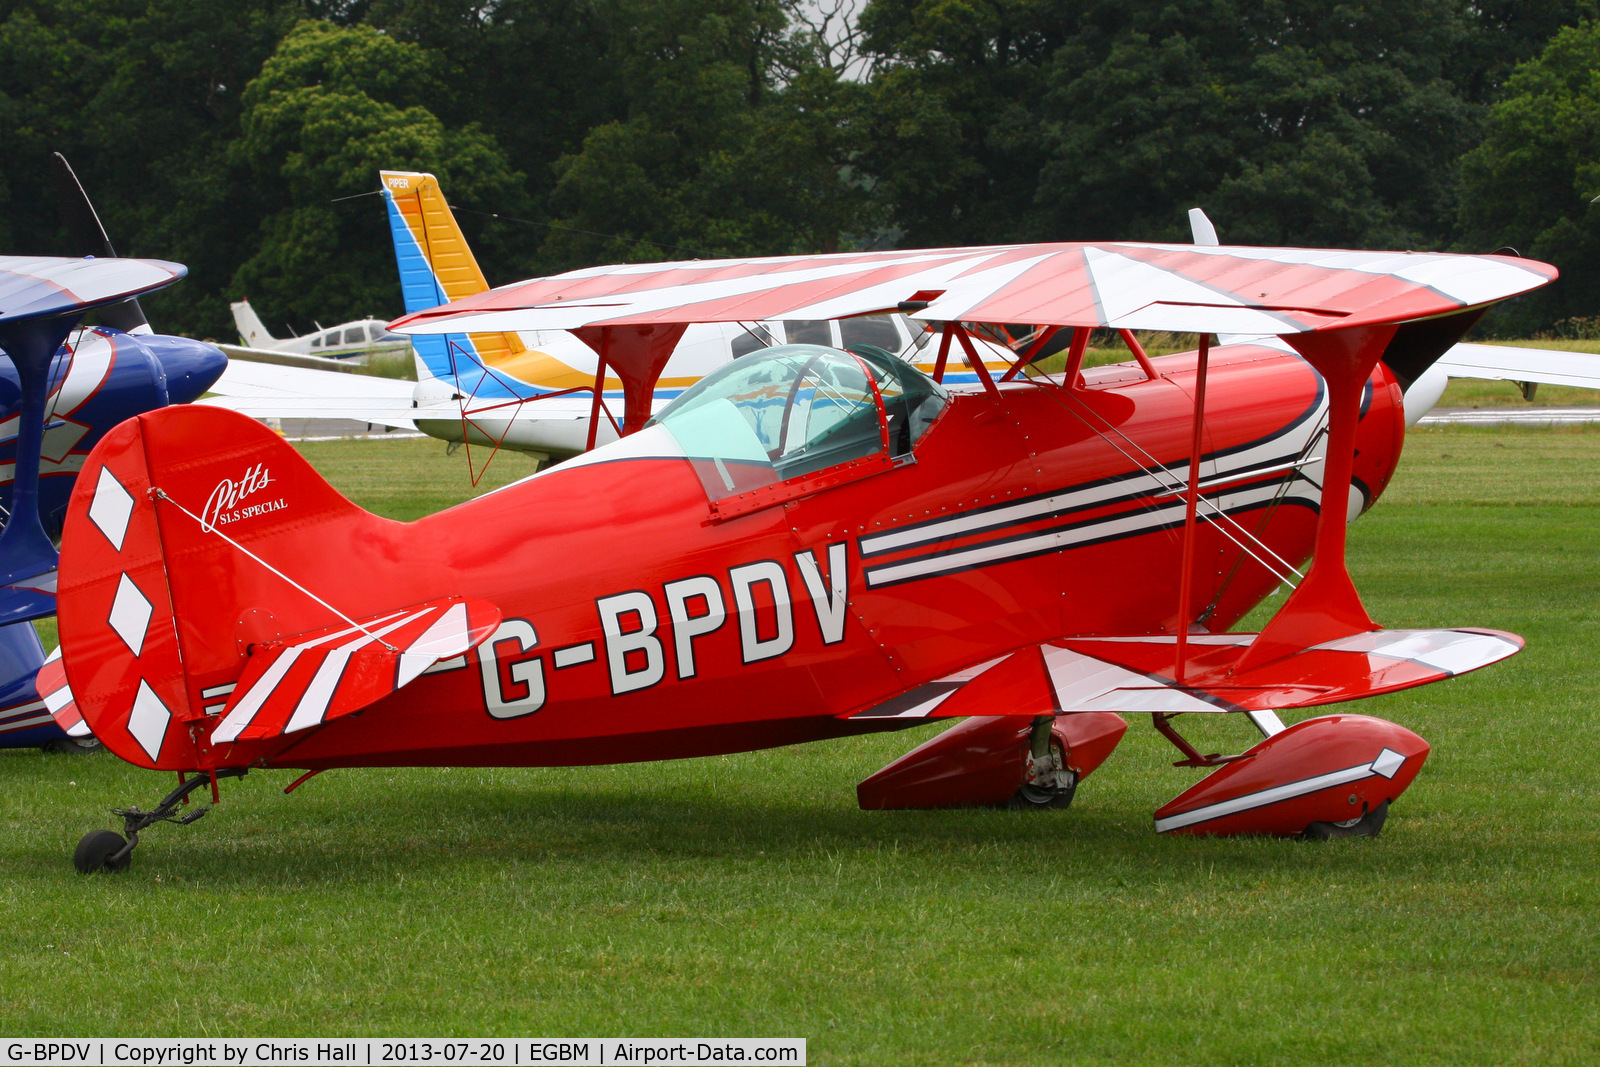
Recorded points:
787,412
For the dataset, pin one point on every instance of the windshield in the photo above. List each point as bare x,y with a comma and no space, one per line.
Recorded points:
792,410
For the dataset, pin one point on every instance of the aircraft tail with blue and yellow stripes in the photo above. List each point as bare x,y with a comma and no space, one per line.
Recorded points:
436,267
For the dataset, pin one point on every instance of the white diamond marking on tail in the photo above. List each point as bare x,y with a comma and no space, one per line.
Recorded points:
1388,763
147,722
111,508
130,614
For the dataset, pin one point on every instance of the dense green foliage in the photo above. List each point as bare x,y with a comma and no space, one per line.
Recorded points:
238,137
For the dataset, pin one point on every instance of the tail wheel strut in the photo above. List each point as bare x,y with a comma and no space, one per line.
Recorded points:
107,850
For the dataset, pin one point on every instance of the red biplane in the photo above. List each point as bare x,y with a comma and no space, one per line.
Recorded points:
812,543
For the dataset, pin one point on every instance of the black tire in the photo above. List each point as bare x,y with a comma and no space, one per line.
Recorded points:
73,746
1368,825
1034,798
94,852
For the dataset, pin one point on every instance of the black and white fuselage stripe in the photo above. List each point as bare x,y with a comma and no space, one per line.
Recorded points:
1014,546
1255,475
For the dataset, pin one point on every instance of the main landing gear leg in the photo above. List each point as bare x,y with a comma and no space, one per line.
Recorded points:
108,850
1050,782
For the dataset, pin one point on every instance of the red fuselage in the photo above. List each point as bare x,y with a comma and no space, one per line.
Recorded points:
638,625
1016,524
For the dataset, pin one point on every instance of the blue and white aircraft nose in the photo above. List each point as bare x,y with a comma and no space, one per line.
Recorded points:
191,366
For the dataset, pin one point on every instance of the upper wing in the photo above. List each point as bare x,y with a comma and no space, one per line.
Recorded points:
1208,289
43,286
270,391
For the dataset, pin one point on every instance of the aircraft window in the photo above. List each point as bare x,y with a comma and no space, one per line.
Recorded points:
751,340
877,330
387,335
794,410
808,332
920,334
355,335
316,342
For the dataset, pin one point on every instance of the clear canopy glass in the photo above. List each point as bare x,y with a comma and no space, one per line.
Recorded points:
790,411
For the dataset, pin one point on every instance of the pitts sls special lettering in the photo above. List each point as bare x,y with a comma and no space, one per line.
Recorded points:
812,543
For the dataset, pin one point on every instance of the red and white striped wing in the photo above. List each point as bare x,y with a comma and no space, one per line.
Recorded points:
1216,289
51,682
316,677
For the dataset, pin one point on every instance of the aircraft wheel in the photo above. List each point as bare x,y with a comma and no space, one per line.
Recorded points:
1367,826
1031,797
96,849
73,746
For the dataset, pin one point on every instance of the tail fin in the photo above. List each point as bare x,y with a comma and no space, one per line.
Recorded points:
198,542
436,267
252,331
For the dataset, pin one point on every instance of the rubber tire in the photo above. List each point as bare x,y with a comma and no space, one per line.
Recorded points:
1029,798
73,746
96,849
1369,825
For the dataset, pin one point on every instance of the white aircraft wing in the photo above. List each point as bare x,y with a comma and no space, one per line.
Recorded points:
1505,363
290,359
1500,363
269,391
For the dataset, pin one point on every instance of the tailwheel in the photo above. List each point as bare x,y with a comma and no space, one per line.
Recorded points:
102,850
110,851
1367,826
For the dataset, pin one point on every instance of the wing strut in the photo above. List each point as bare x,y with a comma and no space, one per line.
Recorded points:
1325,606
1191,503
637,353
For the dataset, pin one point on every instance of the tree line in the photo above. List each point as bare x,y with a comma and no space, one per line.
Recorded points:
244,137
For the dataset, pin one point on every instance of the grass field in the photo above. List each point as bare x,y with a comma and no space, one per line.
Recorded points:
747,896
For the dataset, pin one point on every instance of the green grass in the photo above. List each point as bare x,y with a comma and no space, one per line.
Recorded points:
746,895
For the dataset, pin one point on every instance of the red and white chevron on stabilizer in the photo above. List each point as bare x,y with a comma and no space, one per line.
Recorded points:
312,678
51,682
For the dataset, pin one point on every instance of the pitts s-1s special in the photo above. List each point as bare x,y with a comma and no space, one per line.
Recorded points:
812,543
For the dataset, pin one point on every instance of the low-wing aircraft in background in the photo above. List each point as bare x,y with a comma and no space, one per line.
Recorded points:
535,390
358,338
811,543
98,377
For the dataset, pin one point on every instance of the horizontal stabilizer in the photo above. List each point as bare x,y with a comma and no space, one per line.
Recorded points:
1138,674
308,679
51,683
28,598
